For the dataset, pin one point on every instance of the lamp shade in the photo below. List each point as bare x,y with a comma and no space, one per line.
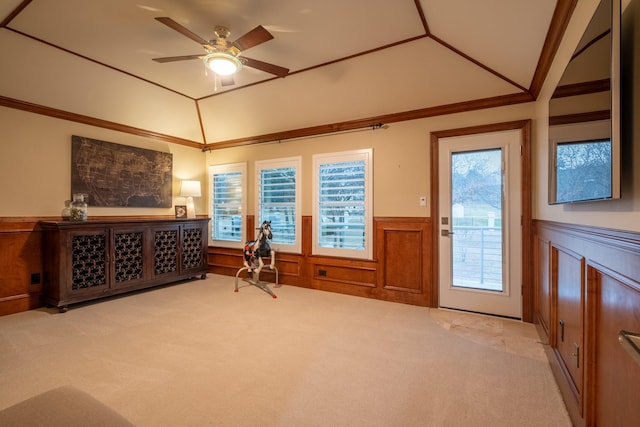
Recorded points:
222,63
190,188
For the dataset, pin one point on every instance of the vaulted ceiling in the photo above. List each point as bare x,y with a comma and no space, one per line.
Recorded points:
350,62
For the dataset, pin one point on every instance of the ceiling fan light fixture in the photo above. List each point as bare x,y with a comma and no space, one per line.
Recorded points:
222,63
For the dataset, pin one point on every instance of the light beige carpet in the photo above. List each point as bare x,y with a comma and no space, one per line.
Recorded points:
199,354
61,406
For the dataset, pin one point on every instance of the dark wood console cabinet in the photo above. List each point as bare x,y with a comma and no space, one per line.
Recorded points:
98,258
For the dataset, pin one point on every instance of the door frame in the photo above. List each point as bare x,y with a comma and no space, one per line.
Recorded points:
527,267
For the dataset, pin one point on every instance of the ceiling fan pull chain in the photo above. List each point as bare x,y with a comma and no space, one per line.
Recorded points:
215,79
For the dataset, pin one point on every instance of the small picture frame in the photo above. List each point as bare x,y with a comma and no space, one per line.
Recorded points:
181,211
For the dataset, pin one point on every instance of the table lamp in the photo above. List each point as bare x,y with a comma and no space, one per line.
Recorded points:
190,189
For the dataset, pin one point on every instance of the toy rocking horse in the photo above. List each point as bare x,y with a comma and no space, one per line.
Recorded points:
254,251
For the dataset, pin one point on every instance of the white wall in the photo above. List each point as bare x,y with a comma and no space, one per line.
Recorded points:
401,165
620,214
35,152
401,153
35,165
35,161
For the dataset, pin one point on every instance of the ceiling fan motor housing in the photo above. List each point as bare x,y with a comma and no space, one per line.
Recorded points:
221,32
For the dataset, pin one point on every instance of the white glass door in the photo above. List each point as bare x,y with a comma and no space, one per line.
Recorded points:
480,223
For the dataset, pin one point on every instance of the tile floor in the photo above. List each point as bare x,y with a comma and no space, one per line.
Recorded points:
511,336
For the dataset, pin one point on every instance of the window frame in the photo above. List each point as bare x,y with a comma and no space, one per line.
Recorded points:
223,169
344,157
286,162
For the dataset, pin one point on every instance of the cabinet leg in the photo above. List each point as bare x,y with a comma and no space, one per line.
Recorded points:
204,276
63,309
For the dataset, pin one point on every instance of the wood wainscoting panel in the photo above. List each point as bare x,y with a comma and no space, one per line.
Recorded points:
353,275
405,262
288,266
608,263
401,270
568,284
225,261
20,267
615,385
542,286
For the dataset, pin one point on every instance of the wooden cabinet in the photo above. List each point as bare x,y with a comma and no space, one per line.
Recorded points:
93,259
587,292
568,283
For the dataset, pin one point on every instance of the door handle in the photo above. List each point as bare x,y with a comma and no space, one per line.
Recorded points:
446,233
576,354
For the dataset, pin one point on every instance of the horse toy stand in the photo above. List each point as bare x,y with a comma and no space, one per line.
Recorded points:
254,251
255,281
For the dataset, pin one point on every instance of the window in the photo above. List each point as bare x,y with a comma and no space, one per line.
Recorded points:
228,203
278,201
343,203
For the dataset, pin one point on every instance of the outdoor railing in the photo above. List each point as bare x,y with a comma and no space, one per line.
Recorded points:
477,257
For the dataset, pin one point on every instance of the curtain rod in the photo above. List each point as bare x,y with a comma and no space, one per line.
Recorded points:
372,126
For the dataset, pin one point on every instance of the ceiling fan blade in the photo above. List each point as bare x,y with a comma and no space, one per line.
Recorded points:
265,66
227,80
253,38
178,58
182,30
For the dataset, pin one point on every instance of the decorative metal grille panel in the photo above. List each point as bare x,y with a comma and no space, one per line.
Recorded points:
192,248
128,256
166,251
88,265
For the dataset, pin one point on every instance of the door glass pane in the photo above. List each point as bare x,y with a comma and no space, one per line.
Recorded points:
476,219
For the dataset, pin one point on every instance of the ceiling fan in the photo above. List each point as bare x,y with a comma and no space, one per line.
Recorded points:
222,56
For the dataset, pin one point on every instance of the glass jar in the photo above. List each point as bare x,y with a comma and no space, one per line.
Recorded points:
78,208
66,212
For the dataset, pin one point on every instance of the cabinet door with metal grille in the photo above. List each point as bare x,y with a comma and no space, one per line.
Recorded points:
165,259
129,246
89,260
194,244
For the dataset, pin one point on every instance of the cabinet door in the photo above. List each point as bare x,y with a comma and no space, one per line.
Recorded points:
542,280
194,243
127,262
568,342
614,372
165,251
88,262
